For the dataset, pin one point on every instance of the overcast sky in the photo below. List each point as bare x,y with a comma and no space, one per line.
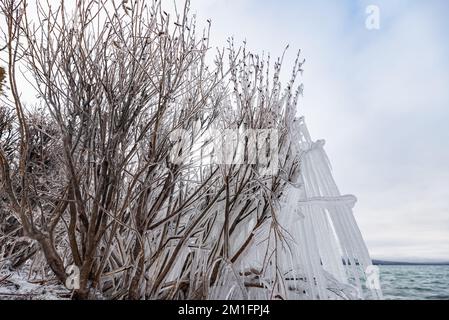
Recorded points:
380,98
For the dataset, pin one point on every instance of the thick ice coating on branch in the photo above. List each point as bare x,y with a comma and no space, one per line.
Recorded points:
324,256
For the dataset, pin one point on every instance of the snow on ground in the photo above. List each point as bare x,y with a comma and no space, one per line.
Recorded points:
15,285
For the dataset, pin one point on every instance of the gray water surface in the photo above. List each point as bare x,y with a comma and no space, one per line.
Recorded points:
415,282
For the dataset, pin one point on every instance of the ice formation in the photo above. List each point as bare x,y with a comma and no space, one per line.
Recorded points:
325,256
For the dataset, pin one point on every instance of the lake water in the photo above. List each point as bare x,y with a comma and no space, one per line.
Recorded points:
415,282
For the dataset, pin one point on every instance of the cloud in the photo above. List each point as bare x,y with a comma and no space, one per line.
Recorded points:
379,98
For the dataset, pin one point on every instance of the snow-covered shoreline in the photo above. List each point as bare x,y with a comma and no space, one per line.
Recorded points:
15,285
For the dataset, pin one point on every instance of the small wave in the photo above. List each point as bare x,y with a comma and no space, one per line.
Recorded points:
417,283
